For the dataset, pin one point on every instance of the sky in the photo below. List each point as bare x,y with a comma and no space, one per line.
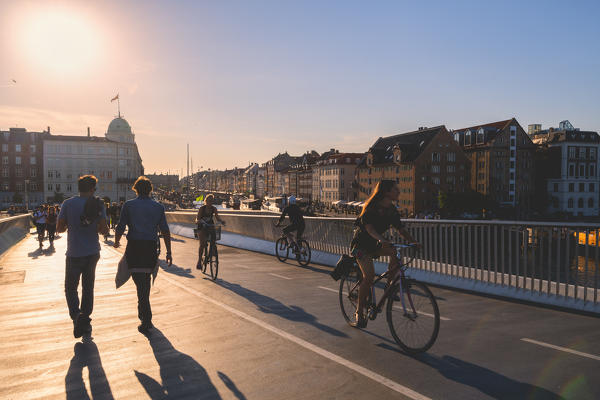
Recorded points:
241,81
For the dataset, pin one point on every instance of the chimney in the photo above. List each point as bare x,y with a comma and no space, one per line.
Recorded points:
88,131
48,129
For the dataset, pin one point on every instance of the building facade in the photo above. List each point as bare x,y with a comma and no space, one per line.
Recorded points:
114,159
423,163
334,176
501,155
164,181
22,167
570,166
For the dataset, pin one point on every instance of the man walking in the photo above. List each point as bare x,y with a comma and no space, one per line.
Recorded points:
83,217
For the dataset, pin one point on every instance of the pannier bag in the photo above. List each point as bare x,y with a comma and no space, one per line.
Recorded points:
342,267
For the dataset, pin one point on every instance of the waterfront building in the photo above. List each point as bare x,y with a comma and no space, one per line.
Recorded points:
114,159
424,163
334,175
501,155
569,170
22,181
164,181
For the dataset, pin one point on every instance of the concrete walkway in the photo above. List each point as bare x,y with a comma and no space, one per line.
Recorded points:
270,330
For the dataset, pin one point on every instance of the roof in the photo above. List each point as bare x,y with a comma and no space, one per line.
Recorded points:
566,136
80,138
499,125
411,145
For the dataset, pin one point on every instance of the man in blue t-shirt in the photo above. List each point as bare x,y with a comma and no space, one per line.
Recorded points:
83,217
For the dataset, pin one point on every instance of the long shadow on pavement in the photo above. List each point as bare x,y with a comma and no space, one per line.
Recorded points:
86,355
270,305
176,270
485,380
181,375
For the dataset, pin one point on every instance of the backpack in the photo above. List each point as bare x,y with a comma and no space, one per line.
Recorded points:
91,210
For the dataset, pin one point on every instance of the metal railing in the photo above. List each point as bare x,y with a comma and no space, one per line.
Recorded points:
560,260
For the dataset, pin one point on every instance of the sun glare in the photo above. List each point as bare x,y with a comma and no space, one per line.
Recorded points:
60,42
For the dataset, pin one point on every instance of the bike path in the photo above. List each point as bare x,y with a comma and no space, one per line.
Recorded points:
249,335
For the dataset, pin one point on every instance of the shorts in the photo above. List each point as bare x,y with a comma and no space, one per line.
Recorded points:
41,228
299,228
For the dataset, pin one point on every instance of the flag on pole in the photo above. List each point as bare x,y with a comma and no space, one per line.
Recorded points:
115,98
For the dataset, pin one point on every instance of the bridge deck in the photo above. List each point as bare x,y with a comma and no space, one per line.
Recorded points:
269,330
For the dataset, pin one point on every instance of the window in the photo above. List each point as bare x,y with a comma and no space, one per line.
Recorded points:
435,157
592,153
18,160
18,148
591,202
435,169
50,174
5,172
32,161
33,172
580,203
50,187
19,187
512,164
451,157
5,186
32,148
512,176
69,187
480,136
582,187
468,138
451,168
570,203
33,187
512,144
571,187
5,148
435,180
457,137
592,187
581,170
582,153
5,160
556,187
512,187
592,170
513,131
572,152
512,153
19,172
571,170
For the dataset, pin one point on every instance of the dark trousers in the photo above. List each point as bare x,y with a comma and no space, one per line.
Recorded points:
142,282
51,228
84,267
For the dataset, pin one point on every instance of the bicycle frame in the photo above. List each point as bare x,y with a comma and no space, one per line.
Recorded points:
398,279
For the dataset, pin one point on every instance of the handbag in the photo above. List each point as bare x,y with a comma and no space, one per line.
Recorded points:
342,267
123,273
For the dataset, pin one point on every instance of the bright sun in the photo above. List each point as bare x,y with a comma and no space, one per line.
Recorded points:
60,41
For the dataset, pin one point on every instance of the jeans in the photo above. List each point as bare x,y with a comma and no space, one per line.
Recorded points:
84,267
142,282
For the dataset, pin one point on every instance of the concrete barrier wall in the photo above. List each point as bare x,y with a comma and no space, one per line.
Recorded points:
13,229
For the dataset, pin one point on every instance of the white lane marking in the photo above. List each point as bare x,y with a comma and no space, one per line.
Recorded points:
398,307
279,276
330,289
242,266
307,345
565,349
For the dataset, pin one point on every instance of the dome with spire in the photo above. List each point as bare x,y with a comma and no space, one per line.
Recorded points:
119,130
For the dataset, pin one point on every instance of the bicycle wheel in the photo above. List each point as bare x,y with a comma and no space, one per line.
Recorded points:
282,250
414,320
214,262
349,294
303,252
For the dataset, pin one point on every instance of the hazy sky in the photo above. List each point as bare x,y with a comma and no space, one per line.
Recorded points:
243,80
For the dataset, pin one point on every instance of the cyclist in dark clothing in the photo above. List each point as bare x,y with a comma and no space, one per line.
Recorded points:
378,214
296,219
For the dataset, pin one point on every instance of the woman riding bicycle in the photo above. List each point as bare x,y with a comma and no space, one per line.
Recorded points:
204,220
378,214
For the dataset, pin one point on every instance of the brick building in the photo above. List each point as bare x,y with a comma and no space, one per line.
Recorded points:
334,175
422,162
501,155
22,167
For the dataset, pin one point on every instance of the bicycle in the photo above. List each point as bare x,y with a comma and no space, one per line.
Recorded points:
414,323
300,249
211,254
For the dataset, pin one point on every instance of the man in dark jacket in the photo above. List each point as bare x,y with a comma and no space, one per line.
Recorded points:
296,219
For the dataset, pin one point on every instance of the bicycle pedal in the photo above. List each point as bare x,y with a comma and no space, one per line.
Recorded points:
372,315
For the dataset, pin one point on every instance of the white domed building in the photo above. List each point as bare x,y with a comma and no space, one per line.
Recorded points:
114,159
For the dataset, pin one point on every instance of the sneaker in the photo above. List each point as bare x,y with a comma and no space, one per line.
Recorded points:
81,326
145,327
199,265
361,321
